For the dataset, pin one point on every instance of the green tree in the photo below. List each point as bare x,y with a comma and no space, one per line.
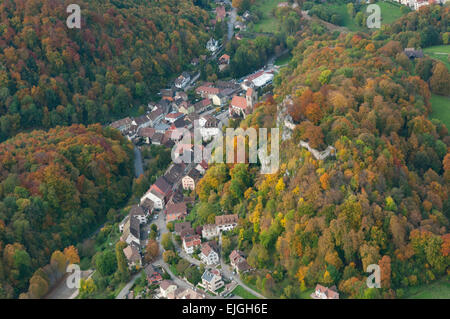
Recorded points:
106,263
122,264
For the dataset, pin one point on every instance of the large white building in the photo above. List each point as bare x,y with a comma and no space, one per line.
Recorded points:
212,45
417,4
212,280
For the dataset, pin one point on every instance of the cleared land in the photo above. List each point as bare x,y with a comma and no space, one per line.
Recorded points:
389,13
284,59
436,290
441,109
268,23
439,52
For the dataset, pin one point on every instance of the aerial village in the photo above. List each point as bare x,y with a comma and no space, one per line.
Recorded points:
164,202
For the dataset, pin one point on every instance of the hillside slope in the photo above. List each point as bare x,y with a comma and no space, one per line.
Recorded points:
383,198
55,188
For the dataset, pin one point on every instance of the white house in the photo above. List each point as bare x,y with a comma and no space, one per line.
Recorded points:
209,126
158,193
212,45
190,243
208,255
212,280
226,222
183,80
210,231
322,292
137,212
156,197
131,232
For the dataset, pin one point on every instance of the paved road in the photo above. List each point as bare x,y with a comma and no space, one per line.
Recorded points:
125,290
138,166
231,21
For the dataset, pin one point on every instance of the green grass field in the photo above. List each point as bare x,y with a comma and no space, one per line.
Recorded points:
441,109
437,290
268,23
439,52
389,13
284,59
241,292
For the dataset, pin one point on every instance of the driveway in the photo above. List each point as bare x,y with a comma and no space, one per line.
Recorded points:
125,290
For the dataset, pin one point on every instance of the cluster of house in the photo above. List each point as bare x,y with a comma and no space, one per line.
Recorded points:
242,100
417,4
130,227
173,112
155,126
209,253
211,280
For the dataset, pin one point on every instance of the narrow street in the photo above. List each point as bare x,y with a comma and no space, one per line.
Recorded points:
138,166
231,22
125,290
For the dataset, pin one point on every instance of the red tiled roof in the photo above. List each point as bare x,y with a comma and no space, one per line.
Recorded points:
226,219
225,56
192,241
331,293
161,186
254,76
146,132
239,102
174,115
207,89
178,208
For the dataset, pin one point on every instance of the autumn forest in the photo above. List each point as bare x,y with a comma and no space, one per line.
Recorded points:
381,198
